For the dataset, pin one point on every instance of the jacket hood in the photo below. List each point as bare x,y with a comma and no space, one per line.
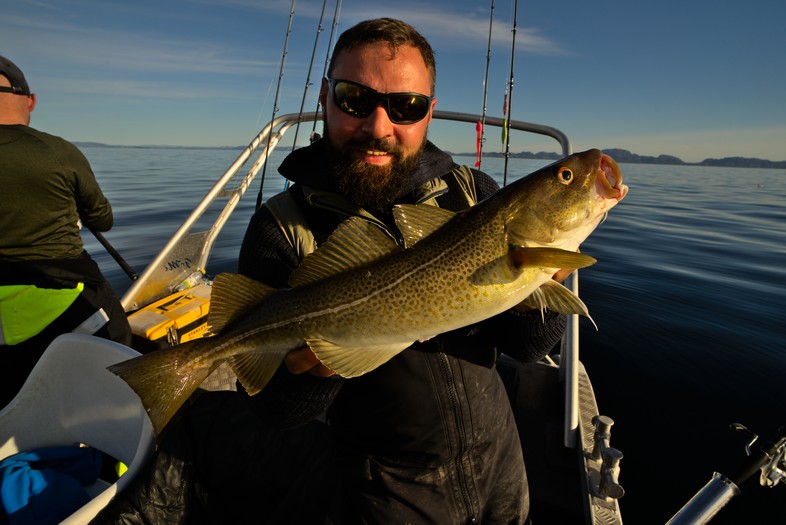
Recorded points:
308,166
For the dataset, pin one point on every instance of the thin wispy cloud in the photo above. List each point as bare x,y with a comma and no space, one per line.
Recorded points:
133,53
450,26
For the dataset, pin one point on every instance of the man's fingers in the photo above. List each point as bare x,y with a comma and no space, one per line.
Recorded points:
303,360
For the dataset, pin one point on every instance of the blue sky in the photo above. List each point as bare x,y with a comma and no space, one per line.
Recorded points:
691,78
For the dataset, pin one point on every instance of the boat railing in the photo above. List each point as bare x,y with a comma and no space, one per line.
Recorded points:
188,251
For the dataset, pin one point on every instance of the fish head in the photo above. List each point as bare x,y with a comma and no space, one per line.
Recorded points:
561,204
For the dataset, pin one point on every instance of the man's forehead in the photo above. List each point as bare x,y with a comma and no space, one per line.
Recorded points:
402,66
377,51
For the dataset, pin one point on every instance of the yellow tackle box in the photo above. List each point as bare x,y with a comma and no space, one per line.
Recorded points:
175,319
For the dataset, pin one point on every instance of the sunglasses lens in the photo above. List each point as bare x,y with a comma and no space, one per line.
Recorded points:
354,99
406,109
359,101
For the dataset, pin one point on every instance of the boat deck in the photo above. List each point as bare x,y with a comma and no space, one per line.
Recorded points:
556,484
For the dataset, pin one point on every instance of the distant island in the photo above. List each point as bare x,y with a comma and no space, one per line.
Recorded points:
620,155
625,156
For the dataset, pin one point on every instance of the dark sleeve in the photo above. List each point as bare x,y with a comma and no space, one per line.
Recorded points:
91,204
527,336
265,254
485,186
289,400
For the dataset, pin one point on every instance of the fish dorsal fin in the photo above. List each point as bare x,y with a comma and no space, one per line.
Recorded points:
418,221
231,295
557,298
349,361
355,242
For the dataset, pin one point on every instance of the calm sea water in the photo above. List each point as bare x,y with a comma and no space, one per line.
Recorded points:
688,295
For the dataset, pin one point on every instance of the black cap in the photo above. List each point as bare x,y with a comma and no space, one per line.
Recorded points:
18,83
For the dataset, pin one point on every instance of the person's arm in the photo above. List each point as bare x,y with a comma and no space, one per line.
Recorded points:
93,207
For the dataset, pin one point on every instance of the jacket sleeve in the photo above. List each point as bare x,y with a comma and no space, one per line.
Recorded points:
289,400
91,204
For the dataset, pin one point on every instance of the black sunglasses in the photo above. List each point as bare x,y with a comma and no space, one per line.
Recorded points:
359,101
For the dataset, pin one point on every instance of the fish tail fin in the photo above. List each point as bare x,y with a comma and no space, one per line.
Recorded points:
163,380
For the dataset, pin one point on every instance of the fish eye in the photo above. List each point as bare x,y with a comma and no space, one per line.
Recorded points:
565,175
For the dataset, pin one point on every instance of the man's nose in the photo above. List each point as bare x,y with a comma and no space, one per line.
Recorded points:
378,124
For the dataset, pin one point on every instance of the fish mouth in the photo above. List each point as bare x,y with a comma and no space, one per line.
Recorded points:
609,179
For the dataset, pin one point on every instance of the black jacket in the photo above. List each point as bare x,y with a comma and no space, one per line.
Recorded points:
428,437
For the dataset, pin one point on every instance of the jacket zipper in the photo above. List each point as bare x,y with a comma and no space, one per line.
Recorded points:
461,436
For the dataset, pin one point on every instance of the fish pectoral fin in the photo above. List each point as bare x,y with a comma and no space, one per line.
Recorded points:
353,361
255,369
557,298
508,267
542,257
231,295
354,243
417,221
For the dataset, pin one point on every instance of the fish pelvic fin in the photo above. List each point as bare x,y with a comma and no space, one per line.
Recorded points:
353,361
231,295
255,369
163,380
417,221
354,243
557,298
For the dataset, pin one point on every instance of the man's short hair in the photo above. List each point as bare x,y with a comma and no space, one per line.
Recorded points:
390,31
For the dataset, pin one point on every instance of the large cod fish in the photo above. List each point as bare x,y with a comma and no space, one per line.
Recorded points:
360,299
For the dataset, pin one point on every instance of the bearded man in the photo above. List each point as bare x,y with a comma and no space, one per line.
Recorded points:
429,437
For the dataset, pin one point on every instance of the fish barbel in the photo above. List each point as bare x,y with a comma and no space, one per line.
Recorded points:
360,299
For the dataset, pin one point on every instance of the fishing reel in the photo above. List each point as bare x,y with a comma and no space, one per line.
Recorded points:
768,457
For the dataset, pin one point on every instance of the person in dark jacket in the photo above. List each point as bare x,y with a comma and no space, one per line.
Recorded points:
49,284
429,437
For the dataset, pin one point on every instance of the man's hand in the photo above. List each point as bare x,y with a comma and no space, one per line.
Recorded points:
302,360
562,274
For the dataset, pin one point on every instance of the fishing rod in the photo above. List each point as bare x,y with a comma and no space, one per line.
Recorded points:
509,99
275,102
308,78
481,125
766,457
115,255
333,27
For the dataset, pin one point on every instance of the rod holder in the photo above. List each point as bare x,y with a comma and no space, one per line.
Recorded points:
609,486
602,436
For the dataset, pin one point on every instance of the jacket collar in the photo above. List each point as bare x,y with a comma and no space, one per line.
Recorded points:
307,166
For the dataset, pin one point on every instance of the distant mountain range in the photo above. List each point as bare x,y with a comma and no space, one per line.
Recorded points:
620,155
625,156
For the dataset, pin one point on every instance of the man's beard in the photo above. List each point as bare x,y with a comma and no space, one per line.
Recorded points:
368,185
